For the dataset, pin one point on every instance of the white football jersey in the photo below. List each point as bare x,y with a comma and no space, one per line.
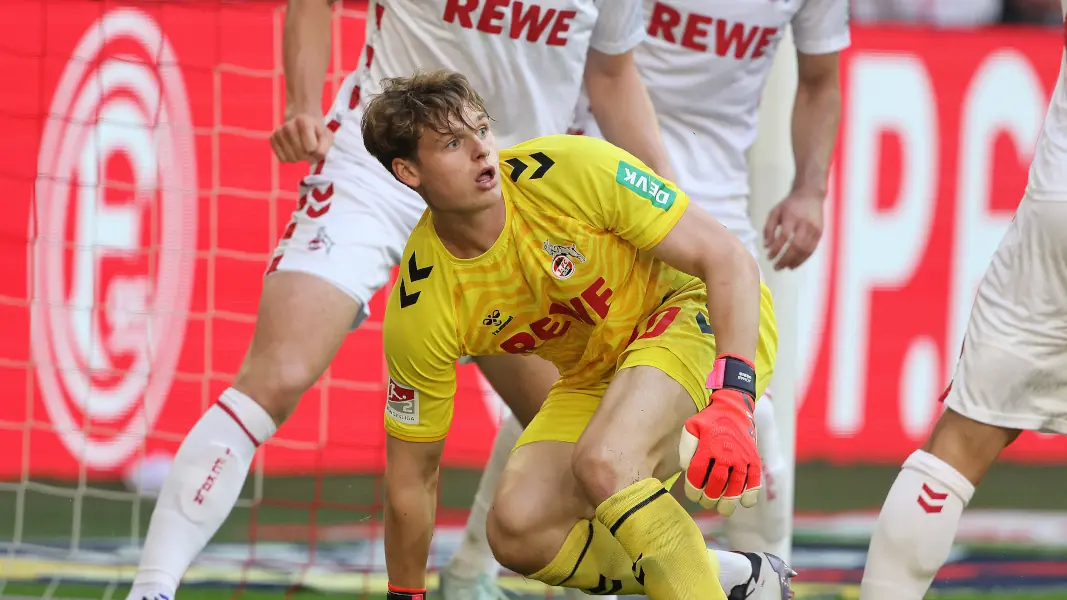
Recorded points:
705,63
526,57
1048,171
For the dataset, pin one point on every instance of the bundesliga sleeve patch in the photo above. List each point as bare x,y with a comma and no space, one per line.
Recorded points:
402,404
645,184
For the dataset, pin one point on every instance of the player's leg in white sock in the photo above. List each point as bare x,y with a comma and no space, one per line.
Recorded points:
201,488
474,557
762,527
291,348
917,525
915,530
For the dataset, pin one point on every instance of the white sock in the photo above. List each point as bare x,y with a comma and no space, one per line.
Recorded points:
762,528
474,557
201,488
914,533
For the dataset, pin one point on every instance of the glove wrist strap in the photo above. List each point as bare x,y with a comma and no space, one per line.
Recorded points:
734,373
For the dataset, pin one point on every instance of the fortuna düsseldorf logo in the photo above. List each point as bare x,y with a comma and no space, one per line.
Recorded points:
114,238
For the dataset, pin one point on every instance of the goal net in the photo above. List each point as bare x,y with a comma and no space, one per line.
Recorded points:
146,202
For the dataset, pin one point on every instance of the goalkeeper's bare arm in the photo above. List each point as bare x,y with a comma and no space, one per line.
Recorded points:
411,477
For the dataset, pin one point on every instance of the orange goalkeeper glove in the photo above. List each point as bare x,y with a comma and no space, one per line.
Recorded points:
718,445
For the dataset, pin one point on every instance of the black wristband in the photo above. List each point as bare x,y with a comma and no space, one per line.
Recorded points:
734,373
395,594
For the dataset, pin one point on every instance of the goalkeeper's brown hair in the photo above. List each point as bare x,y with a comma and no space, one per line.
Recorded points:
407,106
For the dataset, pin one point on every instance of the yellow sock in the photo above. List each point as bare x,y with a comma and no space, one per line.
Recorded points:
591,560
667,549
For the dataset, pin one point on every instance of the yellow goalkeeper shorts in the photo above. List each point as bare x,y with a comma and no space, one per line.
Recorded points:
677,339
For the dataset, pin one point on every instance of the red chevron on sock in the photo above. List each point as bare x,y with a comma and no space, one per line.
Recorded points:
929,505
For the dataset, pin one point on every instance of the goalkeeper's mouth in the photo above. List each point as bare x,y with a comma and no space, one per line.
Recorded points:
486,179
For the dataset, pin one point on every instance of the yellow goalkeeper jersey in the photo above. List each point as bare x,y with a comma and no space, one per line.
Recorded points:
569,279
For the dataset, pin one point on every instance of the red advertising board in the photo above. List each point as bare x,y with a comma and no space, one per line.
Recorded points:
932,160
144,201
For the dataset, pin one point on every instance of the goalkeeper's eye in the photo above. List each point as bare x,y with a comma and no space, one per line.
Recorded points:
483,130
452,143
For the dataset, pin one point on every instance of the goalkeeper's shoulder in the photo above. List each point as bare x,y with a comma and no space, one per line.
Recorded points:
420,311
565,154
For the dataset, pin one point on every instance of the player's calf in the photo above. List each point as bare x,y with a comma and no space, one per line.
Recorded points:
302,322
917,525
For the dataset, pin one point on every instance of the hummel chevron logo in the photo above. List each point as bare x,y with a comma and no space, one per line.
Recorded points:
639,571
518,166
936,502
604,589
407,299
416,273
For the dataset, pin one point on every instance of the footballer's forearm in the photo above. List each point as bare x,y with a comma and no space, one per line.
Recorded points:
732,277
411,474
702,247
816,115
306,54
623,110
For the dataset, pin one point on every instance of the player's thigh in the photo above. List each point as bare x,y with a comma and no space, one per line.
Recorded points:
523,382
347,232
634,433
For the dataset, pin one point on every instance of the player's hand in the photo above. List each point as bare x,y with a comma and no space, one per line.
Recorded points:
301,137
396,593
718,452
796,221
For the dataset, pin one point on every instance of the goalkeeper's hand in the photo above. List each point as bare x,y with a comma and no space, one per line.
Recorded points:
718,446
397,593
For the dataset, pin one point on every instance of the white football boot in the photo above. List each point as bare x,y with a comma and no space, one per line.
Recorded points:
769,580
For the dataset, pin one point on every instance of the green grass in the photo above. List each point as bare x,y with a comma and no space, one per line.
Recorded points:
53,513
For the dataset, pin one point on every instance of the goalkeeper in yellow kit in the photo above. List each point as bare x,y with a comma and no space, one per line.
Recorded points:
569,248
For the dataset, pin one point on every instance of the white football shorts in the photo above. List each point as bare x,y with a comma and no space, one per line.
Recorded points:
353,219
1012,370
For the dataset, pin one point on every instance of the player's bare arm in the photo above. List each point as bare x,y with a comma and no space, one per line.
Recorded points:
411,475
718,444
306,55
700,246
798,219
623,109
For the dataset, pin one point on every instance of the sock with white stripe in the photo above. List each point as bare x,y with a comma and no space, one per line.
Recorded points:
200,490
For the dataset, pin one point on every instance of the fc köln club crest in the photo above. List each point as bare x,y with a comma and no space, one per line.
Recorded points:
563,258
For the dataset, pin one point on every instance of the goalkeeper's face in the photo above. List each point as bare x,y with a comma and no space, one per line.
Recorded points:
456,166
